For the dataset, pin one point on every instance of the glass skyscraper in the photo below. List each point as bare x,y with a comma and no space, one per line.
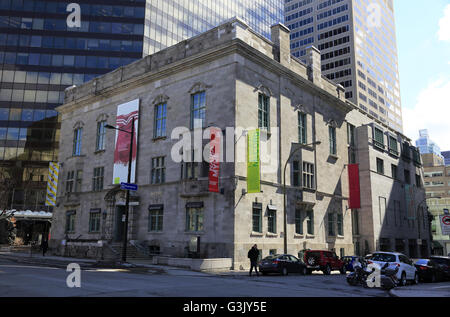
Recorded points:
426,145
171,21
358,46
41,55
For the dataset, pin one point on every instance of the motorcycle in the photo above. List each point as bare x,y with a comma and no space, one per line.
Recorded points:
359,275
389,277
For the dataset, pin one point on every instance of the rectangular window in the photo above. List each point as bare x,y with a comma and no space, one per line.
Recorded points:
79,181
257,218
160,120
101,133
296,174
340,224
302,128
380,166
351,135
394,171
272,221
70,221
418,181
97,180
378,138
158,170
198,110
355,222
94,221
192,169
155,219
298,221
393,146
332,137
310,222
308,180
77,135
407,177
331,225
194,219
263,112
70,181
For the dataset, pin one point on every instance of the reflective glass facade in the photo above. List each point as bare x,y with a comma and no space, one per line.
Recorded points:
358,46
40,56
171,21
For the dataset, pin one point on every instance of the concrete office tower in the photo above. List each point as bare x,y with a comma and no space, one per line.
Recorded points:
169,22
358,46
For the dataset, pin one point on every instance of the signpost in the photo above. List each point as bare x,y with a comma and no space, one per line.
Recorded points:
126,186
445,224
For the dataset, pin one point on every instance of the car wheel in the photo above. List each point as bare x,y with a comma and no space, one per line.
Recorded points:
327,270
403,279
416,279
311,261
284,271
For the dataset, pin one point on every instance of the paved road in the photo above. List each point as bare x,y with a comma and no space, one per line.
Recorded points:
31,281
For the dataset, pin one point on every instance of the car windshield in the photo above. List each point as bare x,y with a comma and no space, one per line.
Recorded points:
383,257
422,262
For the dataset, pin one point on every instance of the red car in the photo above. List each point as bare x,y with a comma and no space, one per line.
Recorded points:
325,261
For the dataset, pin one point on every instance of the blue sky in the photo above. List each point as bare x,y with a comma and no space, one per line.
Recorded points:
423,40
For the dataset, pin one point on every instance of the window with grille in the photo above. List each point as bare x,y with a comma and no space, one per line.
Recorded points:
97,180
308,180
302,128
198,110
194,219
161,117
155,220
158,170
378,138
263,112
393,146
257,218
94,221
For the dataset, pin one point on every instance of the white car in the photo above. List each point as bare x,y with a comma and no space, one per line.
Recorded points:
407,271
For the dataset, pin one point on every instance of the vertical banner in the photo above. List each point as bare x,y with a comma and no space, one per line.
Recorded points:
354,187
52,184
214,160
125,114
410,198
253,162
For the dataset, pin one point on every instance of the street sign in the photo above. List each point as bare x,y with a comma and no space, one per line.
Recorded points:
445,225
127,186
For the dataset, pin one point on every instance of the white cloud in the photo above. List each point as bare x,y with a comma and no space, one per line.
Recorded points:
444,25
432,112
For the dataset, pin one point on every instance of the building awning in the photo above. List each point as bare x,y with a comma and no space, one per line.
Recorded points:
28,214
271,207
437,245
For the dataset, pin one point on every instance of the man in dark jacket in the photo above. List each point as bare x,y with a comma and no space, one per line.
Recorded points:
253,255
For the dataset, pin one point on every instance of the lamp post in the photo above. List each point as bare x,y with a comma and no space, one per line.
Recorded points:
127,203
301,146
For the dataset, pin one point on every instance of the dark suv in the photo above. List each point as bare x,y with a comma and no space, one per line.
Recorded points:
325,261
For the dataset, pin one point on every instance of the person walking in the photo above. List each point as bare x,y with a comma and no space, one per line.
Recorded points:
44,246
253,255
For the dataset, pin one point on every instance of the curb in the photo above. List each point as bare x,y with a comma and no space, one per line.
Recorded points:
49,262
392,293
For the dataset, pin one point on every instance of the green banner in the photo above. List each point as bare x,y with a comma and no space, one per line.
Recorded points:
253,163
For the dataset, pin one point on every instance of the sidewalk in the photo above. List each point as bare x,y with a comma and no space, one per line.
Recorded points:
39,259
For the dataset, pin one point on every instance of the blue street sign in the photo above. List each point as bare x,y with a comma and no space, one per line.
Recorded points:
127,186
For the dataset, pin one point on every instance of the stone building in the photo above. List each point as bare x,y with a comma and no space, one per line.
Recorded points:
234,79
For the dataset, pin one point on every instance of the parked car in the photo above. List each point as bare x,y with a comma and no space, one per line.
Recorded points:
282,264
429,270
325,261
444,262
349,260
407,271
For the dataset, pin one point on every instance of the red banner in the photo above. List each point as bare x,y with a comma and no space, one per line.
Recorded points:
354,187
214,160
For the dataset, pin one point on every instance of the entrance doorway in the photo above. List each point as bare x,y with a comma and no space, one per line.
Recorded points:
119,223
